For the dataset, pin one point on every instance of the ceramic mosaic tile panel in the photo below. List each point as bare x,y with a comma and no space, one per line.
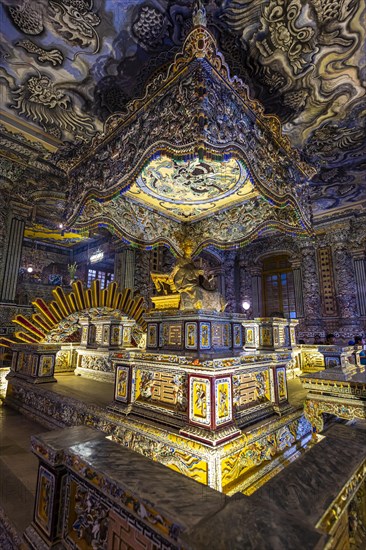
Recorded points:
44,499
116,332
281,381
249,336
237,336
126,335
46,364
152,335
205,336
175,335
200,400
223,401
332,362
122,383
191,336
265,336
86,525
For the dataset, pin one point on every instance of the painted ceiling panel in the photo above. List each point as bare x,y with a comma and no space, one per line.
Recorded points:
66,65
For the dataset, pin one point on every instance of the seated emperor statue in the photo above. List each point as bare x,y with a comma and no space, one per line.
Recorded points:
193,286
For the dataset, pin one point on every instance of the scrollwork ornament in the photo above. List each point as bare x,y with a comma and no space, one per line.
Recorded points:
39,99
313,414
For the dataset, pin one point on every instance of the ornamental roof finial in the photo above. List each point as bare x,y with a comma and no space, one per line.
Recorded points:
199,14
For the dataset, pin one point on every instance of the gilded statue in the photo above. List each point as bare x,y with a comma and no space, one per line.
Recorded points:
193,286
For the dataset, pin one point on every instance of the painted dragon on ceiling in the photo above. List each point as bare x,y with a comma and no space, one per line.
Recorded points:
66,65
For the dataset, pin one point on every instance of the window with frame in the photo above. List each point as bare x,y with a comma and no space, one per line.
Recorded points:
105,277
156,257
278,287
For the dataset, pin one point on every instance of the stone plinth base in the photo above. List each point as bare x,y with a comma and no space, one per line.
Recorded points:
213,465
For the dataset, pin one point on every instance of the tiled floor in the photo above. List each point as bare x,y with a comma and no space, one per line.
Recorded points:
296,393
83,389
18,467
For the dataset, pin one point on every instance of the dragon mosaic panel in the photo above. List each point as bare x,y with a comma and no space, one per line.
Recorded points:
66,66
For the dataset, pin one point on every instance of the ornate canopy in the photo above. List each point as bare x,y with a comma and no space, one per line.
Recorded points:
196,156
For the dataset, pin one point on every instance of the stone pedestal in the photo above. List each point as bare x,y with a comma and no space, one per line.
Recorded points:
34,362
269,333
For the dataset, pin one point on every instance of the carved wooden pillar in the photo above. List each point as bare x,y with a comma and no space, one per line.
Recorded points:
310,285
230,281
256,276
359,263
125,268
298,287
12,250
345,281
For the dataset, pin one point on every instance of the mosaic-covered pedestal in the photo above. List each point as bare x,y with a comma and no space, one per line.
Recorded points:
315,358
336,391
308,358
34,362
106,332
194,333
345,359
187,381
269,333
92,493
99,337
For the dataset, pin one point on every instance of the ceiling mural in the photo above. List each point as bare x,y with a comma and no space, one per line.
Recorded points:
306,63
68,65
187,189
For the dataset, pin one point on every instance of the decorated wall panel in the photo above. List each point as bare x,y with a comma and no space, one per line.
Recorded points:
166,388
249,388
327,281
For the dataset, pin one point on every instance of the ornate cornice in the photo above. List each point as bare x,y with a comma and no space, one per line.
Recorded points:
200,44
